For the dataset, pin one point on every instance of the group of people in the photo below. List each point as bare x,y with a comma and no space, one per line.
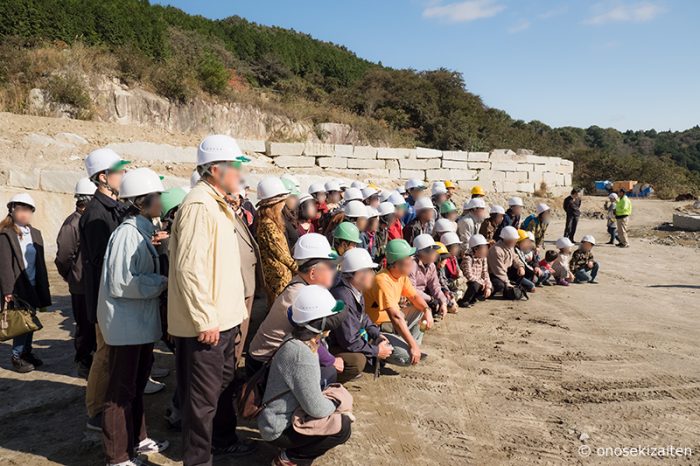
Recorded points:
351,277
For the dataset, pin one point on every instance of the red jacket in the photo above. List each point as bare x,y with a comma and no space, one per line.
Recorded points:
395,230
452,268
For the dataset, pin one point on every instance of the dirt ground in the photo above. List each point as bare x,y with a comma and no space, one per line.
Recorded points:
611,365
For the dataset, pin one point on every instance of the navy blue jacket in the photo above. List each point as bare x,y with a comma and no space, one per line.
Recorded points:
349,336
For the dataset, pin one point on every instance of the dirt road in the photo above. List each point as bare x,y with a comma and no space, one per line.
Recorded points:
617,363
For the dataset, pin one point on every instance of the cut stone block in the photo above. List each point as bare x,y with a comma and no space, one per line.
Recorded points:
462,165
508,187
567,179
294,161
392,164
479,165
456,155
517,177
28,179
344,150
71,138
394,153
143,150
417,174
318,149
567,169
366,164
424,153
419,164
59,181
536,159
524,167
504,166
458,174
374,174
478,157
439,174
365,152
251,145
526,188
332,162
686,222
274,149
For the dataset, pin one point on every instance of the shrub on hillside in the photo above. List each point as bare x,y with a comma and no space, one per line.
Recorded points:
212,74
174,82
70,90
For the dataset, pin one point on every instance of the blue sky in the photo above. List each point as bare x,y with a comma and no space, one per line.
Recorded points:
622,63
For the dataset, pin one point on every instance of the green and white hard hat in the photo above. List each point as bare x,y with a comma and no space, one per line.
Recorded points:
447,207
102,160
172,198
347,231
314,302
398,249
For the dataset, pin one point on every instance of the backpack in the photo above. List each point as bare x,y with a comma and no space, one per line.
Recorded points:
530,218
515,293
250,399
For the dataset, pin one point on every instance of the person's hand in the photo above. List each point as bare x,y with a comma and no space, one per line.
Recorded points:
487,292
443,309
415,354
339,365
158,237
8,298
428,317
385,349
521,271
538,271
209,337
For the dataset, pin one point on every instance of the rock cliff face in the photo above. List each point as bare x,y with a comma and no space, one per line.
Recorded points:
118,103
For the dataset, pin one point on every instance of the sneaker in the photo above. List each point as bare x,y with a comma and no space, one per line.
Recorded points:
282,460
94,423
148,445
159,372
240,448
153,386
131,462
31,359
22,365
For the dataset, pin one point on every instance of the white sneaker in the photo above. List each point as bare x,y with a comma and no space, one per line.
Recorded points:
159,372
148,445
131,462
153,386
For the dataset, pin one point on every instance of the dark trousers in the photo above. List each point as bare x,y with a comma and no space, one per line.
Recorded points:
328,376
84,339
204,379
570,227
303,449
498,284
474,290
123,422
353,364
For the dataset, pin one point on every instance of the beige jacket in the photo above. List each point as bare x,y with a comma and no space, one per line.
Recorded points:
500,259
205,282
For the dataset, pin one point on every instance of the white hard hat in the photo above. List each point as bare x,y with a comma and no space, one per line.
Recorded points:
305,197
358,185
475,203
424,241
291,178
315,188
413,184
103,159
497,209
85,187
563,243
384,195
368,192
588,239
314,302
541,207
509,233
355,209
357,259
271,187
613,196
401,190
313,246
386,208
22,198
396,198
332,186
352,194
139,182
194,179
438,188
343,184
479,240
423,203
515,201
450,238
218,148
372,212
443,225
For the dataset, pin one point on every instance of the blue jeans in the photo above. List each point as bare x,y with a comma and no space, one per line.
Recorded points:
22,344
612,231
587,275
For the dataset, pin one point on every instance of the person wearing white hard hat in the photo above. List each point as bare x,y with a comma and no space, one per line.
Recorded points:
352,194
102,215
561,266
387,217
438,193
473,215
292,179
128,314
415,190
358,339
402,190
424,276
512,216
442,226
207,293
490,225
583,264
611,221
356,212
370,196
306,214
501,259
293,383
476,271
423,221
24,280
456,283
333,194
70,267
537,223
396,228
358,185
316,265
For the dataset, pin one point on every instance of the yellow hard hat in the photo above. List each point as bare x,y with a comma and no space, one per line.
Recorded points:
450,185
478,191
522,234
442,249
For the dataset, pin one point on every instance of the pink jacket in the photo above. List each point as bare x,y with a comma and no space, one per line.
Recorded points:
425,279
476,269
